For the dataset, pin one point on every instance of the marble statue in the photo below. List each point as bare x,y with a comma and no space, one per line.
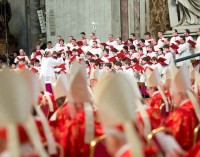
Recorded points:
188,12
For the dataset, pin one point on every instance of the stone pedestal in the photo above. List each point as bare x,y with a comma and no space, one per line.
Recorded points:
174,21
192,28
181,29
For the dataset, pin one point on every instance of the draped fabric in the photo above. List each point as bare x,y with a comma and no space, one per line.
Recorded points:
189,11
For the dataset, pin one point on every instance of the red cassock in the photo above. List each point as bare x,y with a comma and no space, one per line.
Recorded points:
183,122
61,124
75,141
154,116
126,153
23,137
148,152
22,134
46,103
194,151
155,101
69,132
62,116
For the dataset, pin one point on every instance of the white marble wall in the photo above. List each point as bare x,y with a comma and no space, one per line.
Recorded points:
75,16
142,18
173,13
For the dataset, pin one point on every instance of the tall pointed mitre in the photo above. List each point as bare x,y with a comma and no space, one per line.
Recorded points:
153,78
181,83
42,84
195,75
79,93
166,78
111,91
138,103
61,86
94,73
197,78
15,108
182,80
191,71
15,98
173,70
78,88
33,84
111,100
34,87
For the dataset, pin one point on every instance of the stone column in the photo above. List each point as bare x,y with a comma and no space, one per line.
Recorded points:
137,17
172,12
124,19
142,18
131,16
147,15
34,25
116,19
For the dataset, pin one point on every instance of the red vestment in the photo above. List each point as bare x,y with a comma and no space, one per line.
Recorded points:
183,122
194,151
70,132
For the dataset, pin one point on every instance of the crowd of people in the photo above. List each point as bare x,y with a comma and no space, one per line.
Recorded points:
87,98
132,56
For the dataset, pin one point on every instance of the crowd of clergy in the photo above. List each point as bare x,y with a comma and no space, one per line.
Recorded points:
87,98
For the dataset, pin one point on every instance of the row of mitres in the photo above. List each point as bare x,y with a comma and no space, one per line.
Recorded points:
16,107
116,96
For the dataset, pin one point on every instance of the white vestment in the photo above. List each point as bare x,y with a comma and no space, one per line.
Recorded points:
47,68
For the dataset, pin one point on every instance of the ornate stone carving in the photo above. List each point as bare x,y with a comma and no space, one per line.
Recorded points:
188,12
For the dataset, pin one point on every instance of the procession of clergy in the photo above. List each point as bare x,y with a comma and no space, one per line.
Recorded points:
88,98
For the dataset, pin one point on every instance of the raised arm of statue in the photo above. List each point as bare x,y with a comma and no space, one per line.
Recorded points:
189,12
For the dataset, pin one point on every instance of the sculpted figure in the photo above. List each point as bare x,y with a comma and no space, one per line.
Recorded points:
189,12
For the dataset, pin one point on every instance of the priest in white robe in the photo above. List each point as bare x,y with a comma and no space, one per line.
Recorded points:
47,67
